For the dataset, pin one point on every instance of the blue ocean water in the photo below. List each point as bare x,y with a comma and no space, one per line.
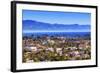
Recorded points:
58,34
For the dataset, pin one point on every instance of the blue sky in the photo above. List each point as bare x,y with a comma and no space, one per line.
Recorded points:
57,17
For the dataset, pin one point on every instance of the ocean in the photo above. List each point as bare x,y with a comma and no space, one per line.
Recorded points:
57,34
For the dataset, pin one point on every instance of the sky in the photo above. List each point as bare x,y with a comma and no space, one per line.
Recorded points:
55,17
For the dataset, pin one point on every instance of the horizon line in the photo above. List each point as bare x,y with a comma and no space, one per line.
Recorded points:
51,31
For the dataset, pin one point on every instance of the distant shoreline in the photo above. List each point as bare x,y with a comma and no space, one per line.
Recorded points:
56,32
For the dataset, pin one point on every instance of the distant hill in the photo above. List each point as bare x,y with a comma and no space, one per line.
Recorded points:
36,25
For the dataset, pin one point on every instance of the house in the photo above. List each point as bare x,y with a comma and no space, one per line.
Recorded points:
30,48
51,49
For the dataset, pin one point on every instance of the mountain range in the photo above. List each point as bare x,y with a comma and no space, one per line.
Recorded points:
36,25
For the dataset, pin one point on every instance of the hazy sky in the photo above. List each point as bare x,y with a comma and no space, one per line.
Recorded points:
57,17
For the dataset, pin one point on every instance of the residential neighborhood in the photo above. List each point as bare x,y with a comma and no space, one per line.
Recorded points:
44,49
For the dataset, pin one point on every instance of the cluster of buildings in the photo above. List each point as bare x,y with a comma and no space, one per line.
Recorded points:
55,49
